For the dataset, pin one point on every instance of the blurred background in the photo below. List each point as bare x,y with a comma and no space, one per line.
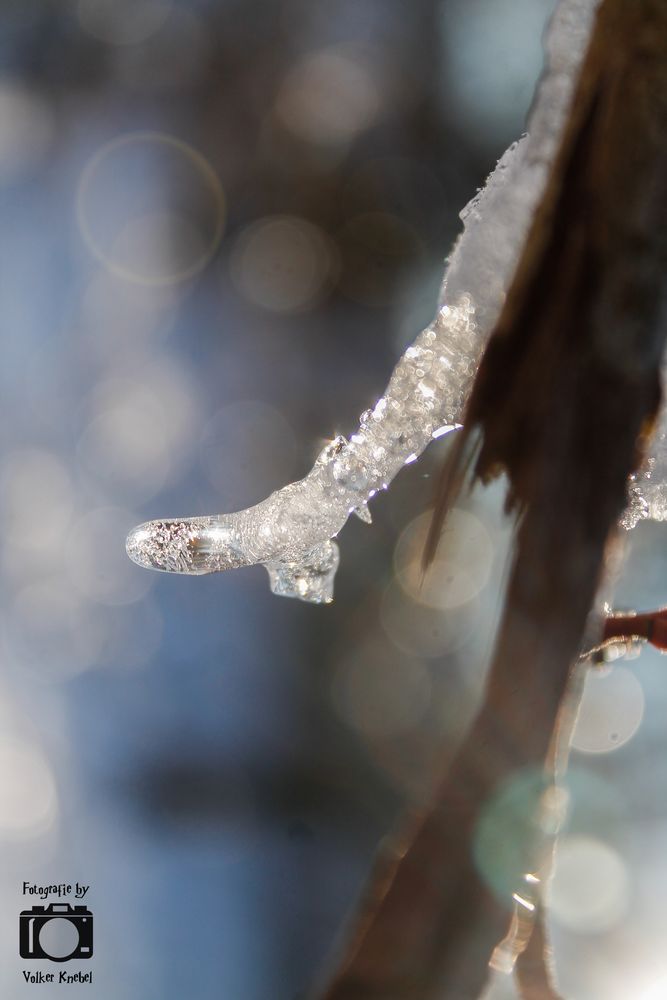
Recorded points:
222,221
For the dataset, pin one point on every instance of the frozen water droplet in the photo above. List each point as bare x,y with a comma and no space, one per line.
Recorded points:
310,578
363,513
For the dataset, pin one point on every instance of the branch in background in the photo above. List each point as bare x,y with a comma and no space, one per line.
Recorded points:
534,973
650,626
563,400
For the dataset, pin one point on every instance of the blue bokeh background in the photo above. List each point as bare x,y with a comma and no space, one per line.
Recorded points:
221,223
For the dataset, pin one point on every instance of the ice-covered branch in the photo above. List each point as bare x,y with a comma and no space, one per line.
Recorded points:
291,532
648,488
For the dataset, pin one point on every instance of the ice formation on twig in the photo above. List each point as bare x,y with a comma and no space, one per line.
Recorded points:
291,532
648,488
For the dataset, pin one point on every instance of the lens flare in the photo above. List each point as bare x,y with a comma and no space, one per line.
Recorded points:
150,208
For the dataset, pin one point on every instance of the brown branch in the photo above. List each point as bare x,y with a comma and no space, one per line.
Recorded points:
649,625
563,400
534,975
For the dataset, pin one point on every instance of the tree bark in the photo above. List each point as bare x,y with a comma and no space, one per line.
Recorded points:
565,396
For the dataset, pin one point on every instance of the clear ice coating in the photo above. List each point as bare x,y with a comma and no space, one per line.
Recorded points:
647,489
291,532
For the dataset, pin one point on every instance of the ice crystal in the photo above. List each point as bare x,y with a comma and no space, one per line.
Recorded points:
647,489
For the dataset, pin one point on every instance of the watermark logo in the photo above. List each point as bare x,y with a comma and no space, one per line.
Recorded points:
56,932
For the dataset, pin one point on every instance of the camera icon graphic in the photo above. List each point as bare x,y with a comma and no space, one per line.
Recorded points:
58,932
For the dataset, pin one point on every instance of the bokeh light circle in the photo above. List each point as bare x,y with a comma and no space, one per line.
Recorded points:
139,430
379,692
37,501
657,990
96,562
28,800
425,631
589,889
150,208
611,710
461,567
507,830
51,632
119,317
283,263
27,129
329,97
